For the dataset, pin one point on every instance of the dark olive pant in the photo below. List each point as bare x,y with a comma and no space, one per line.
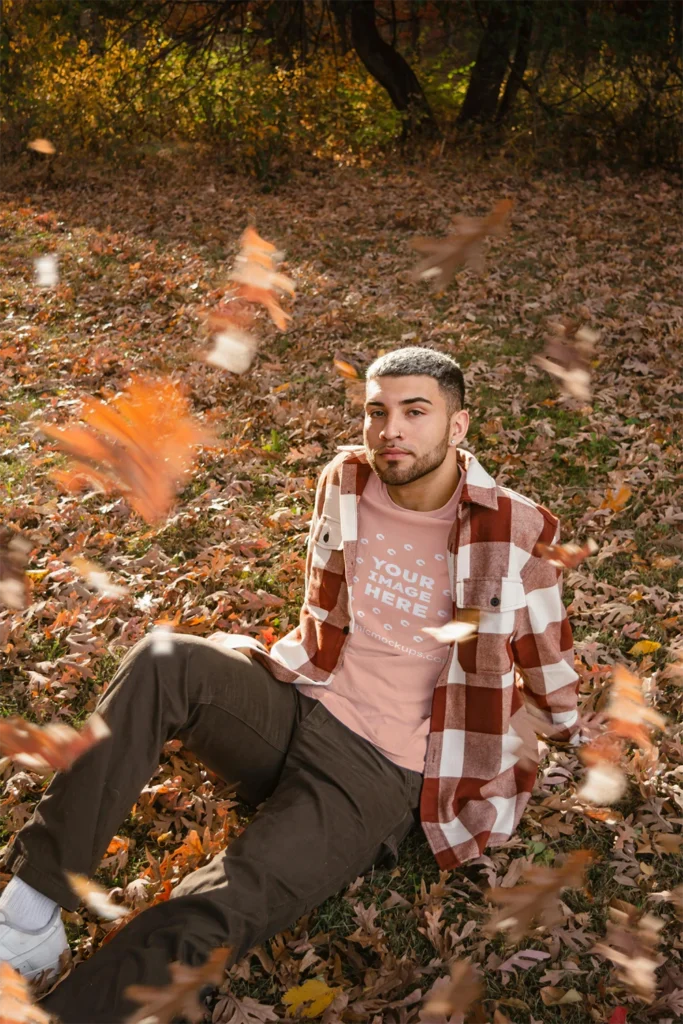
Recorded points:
334,806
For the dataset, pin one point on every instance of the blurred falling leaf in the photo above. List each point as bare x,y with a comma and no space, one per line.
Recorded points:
95,897
16,1005
14,552
49,747
47,275
463,247
567,357
565,556
143,449
162,639
538,900
603,784
42,146
233,350
452,632
451,995
163,1003
97,578
353,382
256,278
630,943
628,718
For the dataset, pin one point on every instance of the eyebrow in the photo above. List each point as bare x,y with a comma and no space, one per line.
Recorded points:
404,401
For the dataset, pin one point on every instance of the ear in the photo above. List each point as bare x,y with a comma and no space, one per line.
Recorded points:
459,425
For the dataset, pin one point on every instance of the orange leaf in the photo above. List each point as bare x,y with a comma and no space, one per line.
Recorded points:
49,747
145,447
616,502
16,1005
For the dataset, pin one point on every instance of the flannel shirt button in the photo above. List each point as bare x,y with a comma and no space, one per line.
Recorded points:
326,537
346,629
495,601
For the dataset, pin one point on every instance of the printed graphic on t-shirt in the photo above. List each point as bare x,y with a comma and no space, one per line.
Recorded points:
396,592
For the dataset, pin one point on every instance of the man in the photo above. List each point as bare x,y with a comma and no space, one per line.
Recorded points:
385,722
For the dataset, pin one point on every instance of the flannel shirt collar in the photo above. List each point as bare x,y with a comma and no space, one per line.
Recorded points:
479,487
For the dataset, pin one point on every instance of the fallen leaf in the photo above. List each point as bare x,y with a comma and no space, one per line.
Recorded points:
616,502
644,647
310,999
560,996
523,959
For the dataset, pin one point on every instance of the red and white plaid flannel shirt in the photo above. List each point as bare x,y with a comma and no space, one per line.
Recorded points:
475,787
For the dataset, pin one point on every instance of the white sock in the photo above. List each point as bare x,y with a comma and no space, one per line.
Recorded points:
26,908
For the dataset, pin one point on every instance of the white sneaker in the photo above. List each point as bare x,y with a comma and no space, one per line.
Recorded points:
31,953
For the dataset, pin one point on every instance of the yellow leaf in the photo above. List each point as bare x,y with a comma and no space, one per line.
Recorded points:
645,647
314,996
37,574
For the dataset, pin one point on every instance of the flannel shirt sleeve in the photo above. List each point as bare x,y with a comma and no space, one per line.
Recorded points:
543,648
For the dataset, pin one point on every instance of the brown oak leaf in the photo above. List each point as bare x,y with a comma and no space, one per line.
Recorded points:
463,247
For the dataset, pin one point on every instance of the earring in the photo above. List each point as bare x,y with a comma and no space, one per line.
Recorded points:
453,441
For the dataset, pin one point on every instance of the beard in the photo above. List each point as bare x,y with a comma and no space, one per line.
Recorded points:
396,474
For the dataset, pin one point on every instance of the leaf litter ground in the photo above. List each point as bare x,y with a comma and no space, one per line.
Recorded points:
140,262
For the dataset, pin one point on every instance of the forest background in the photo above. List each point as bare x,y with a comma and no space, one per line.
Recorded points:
340,130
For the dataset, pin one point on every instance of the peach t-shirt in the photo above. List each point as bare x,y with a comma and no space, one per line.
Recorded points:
383,688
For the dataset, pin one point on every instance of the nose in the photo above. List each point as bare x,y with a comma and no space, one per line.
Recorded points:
389,431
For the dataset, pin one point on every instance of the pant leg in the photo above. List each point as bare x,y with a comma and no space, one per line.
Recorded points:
337,807
228,709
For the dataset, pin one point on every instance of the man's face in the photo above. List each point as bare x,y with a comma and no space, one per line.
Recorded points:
407,428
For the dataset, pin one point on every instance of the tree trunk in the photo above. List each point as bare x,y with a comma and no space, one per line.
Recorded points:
340,13
286,20
388,67
490,67
519,64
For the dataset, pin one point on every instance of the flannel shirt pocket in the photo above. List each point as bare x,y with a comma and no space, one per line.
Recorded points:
493,602
328,534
